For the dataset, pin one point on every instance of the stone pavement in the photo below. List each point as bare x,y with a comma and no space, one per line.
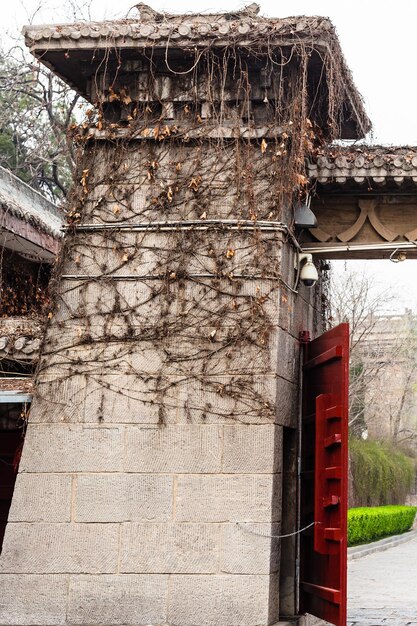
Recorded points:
382,587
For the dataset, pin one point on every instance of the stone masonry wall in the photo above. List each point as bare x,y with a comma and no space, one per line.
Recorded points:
150,480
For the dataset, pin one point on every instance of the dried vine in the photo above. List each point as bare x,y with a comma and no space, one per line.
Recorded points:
182,320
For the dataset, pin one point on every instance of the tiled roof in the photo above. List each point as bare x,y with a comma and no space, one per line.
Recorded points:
360,164
155,27
17,198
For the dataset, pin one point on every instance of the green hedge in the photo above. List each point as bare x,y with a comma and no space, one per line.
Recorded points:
381,474
369,524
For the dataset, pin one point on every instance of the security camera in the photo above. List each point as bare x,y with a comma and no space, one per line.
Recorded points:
308,272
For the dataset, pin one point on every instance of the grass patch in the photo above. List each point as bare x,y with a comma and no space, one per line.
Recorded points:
366,524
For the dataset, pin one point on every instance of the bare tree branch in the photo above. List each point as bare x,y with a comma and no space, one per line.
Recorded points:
383,348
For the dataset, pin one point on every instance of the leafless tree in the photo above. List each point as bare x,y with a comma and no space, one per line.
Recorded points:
401,407
36,109
383,357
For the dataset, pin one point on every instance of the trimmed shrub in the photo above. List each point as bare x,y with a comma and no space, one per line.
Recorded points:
381,474
369,524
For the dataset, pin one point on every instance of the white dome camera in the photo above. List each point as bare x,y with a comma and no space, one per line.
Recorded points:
308,272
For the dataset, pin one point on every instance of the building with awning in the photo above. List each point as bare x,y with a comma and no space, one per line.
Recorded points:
30,238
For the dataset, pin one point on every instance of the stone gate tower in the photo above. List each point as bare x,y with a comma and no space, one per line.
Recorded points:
159,461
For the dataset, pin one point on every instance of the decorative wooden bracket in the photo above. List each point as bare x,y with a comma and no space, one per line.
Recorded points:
411,235
367,208
367,212
320,234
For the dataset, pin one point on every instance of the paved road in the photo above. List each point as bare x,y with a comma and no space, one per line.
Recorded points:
382,588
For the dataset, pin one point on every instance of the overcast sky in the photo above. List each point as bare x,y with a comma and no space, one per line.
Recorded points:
379,42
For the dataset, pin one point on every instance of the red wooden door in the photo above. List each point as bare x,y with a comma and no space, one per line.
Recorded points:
324,476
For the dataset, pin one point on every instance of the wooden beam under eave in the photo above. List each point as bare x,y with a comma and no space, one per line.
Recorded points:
41,244
347,221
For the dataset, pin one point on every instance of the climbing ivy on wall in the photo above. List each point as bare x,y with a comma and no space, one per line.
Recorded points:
172,269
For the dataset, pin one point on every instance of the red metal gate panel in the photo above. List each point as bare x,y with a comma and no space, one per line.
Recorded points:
324,476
